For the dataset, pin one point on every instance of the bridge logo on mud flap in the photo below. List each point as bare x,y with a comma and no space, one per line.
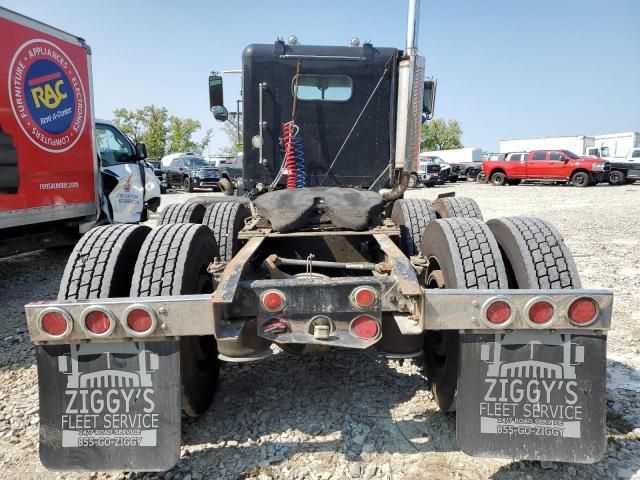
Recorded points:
532,395
47,95
109,407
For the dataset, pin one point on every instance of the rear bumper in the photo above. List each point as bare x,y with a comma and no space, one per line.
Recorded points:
462,310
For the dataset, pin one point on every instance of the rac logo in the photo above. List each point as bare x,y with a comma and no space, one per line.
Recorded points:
47,94
47,90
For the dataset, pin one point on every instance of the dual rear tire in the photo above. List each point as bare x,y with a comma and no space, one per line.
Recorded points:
133,260
465,253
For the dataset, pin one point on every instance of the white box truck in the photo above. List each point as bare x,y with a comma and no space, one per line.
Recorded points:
615,146
578,144
457,155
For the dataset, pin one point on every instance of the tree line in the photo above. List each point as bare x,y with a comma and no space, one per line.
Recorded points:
162,133
440,134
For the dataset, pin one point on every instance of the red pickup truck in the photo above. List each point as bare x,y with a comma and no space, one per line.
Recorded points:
547,165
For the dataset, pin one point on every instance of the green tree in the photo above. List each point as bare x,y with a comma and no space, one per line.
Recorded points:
233,146
160,132
202,145
180,131
439,134
130,122
155,135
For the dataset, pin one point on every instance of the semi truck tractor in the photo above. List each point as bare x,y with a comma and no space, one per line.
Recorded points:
324,253
61,172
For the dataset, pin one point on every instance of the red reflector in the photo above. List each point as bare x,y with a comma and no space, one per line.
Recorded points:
583,310
54,323
498,312
139,320
365,327
97,322
364,297
273,301
541,312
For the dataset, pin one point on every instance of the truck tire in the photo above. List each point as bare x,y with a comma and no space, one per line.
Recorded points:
226,219
187,185
449,207
534,254
616,177
225,186
412,215
414,181
173,261
462,253
481,177
101,264
498,179
580,179
189,212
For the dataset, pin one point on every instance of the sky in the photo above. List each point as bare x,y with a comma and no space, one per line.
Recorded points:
505,68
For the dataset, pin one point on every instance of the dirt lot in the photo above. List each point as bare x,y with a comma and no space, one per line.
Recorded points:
352,414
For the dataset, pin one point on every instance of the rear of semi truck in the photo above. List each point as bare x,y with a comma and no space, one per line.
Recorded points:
48,163
334,258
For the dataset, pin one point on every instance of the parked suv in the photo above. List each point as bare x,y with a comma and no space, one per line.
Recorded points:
547,165
190,171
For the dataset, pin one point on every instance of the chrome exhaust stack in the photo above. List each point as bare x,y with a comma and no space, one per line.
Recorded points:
410,91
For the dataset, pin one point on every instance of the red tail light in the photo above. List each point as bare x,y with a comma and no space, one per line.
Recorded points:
140,320
541,312
365,327
498,312
98,322
56,323
272,300
583,311
363,297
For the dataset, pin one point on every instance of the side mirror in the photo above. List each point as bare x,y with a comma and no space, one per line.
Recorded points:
141,151
216,98
429,97
220,113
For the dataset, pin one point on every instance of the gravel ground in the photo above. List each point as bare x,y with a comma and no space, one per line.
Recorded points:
351,414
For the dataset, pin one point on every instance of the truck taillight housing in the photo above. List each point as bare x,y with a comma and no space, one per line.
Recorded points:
97,322
498,312
273,300
365,326
540,312
139,320
55,322
583,311
363,297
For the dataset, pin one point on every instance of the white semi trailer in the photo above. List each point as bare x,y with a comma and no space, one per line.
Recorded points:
578,144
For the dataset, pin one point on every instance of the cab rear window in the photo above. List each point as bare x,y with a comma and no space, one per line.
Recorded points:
324,88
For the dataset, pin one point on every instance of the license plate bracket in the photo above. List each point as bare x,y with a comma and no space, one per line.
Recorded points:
109,406
536,396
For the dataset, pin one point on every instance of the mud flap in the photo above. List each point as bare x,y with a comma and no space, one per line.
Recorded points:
532,396
109,406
